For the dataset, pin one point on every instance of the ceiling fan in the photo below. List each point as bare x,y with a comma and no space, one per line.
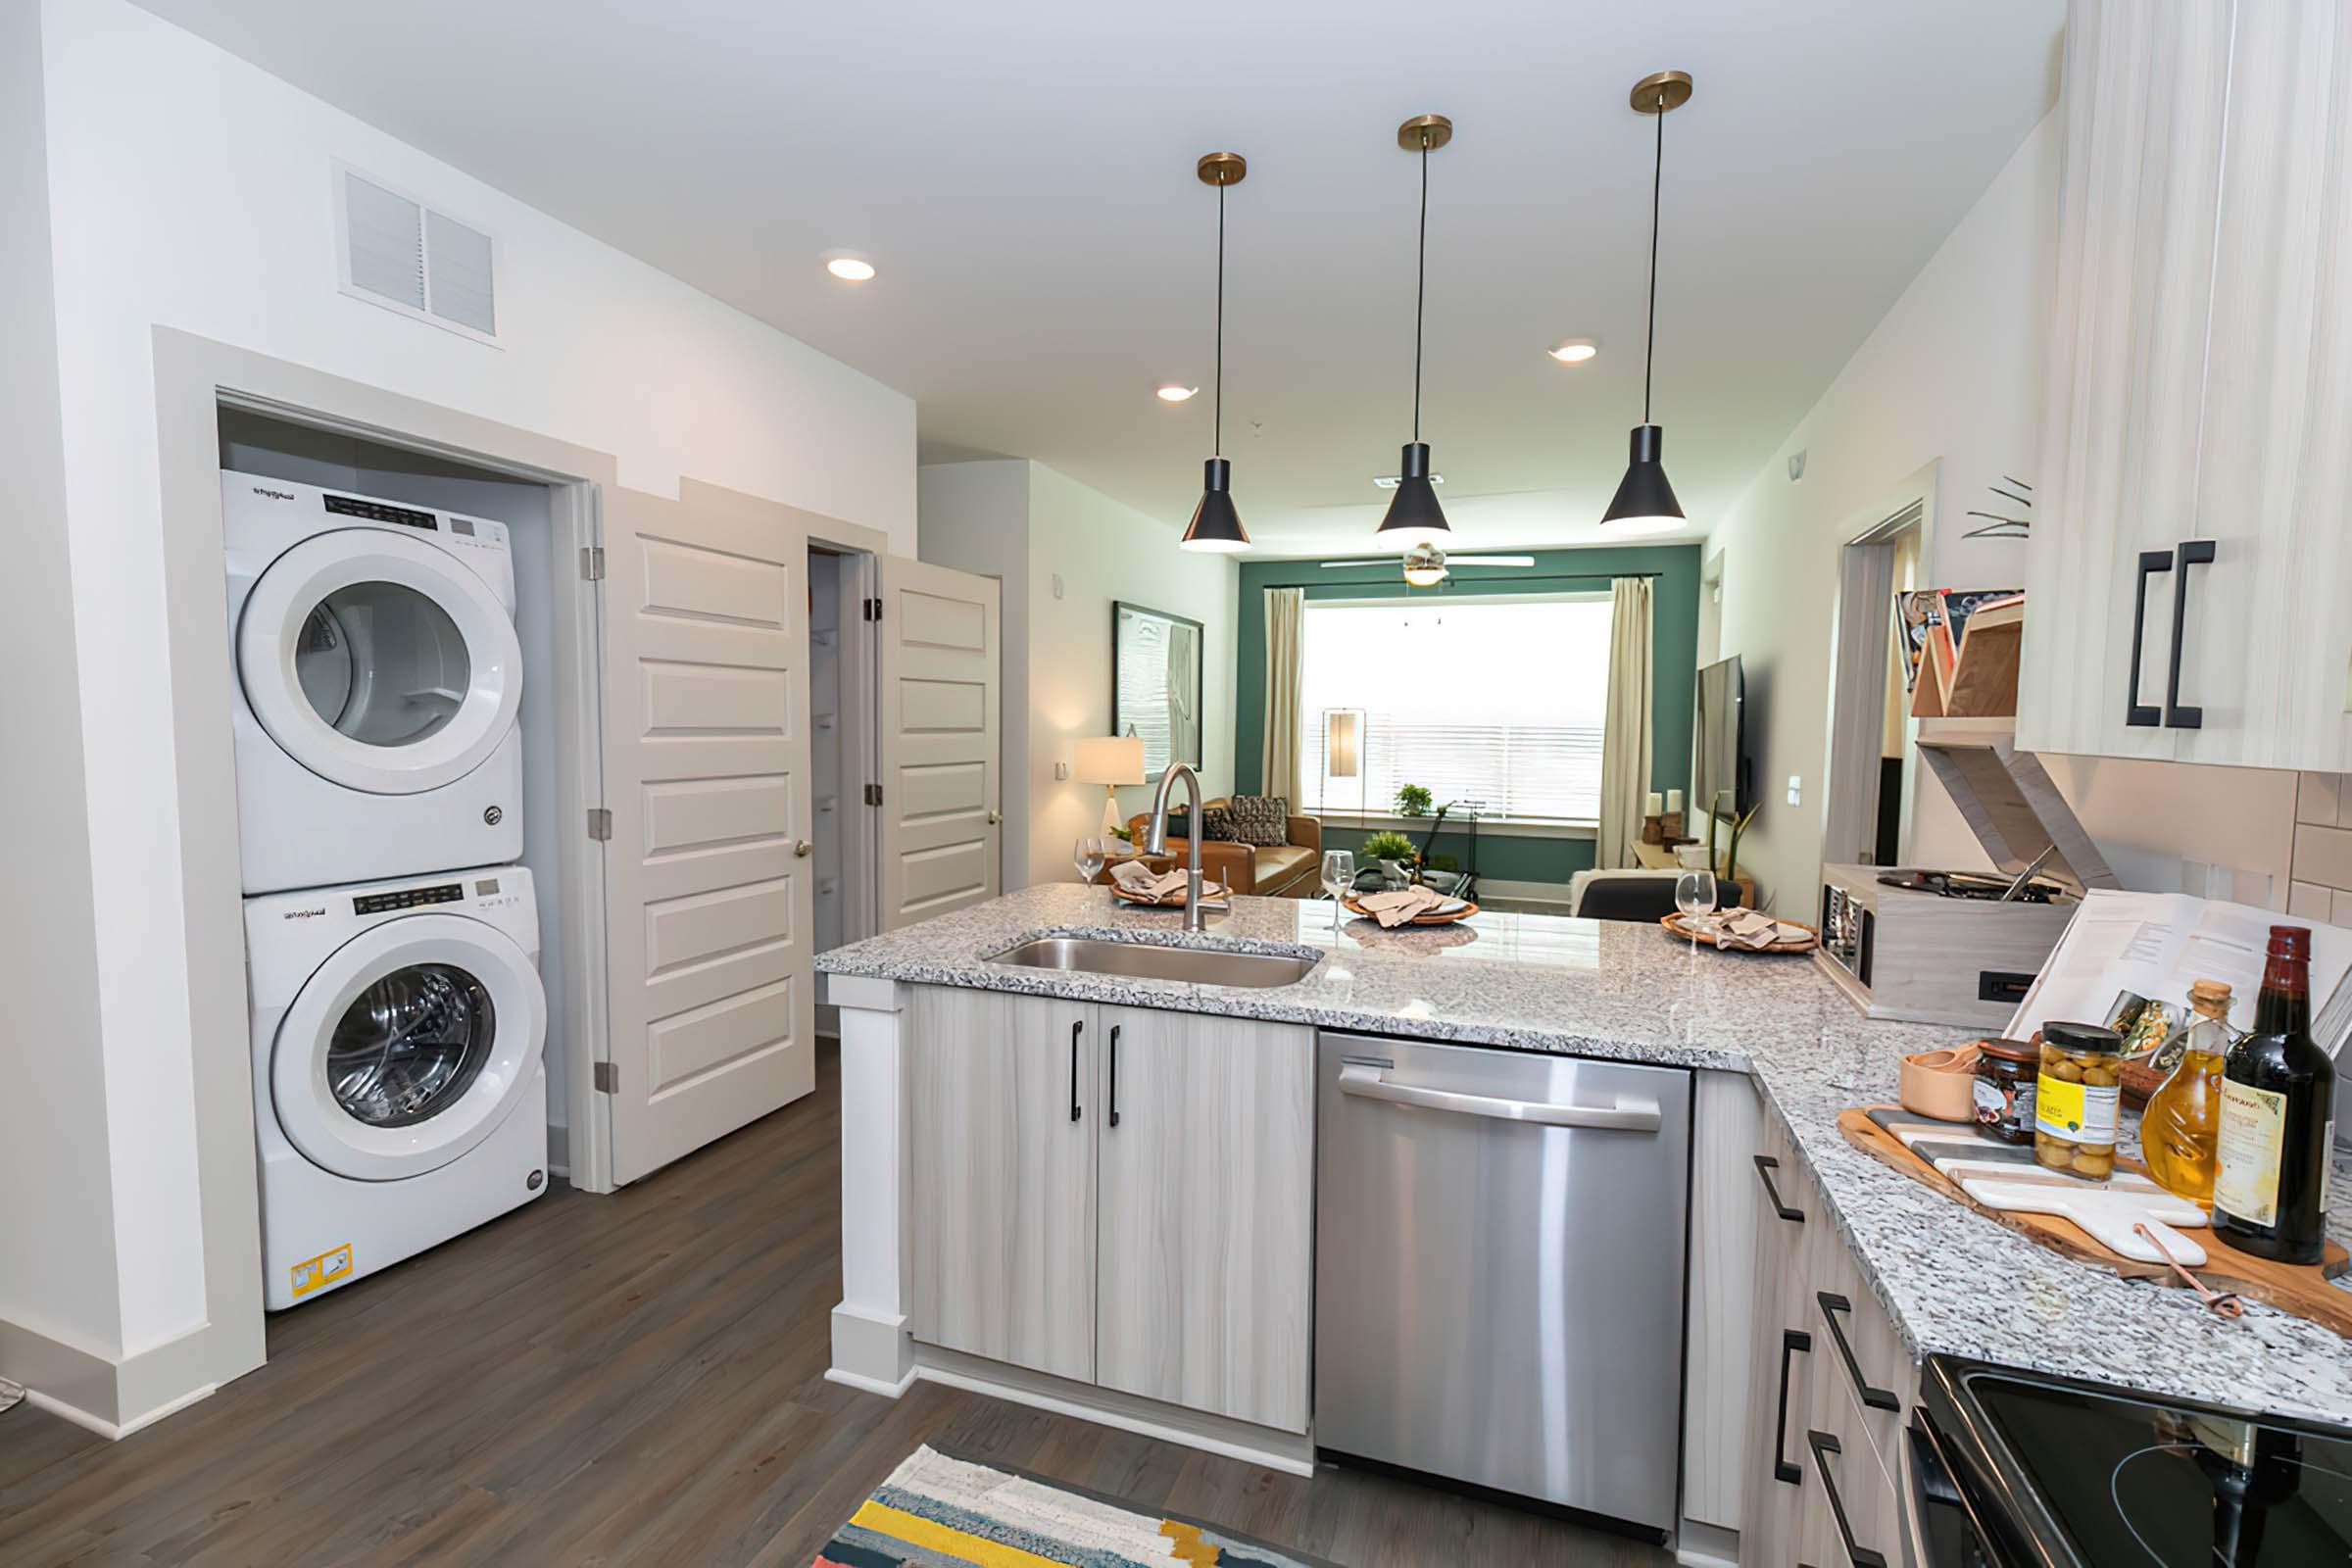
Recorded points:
1426,565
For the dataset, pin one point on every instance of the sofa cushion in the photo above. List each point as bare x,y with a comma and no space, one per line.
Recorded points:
1279,864
1261,819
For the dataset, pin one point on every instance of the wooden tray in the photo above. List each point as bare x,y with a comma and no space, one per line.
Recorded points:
1464,913
1174,901
1676,929
2300,1289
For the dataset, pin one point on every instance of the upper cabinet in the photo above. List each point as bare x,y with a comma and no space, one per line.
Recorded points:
2194,550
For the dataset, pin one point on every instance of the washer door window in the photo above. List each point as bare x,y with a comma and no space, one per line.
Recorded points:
380,661
408,1046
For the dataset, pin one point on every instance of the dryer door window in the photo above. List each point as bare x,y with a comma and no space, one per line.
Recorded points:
408,1046
380,661
411,1044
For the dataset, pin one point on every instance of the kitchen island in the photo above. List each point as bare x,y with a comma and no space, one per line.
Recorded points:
1949,1281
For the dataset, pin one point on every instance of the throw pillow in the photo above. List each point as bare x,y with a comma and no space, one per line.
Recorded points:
1216,825
1261,819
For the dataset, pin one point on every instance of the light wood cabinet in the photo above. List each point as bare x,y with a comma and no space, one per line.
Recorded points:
1168,1253
1204,1279
1726,1247
1001,1167
2189,525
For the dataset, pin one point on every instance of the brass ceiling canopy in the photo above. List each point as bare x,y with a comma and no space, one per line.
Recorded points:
1661,91
1222,169
1426,134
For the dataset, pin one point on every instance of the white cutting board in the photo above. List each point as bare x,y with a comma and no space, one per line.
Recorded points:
2108,1214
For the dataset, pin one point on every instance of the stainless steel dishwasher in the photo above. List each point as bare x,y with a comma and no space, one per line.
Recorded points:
1498,1270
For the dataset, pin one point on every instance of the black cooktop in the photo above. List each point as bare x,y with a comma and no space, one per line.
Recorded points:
2084,1474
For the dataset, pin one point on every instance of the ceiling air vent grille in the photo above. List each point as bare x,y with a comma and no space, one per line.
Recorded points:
396,252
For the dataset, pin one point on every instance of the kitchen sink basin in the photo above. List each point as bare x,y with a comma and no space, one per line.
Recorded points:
1208,966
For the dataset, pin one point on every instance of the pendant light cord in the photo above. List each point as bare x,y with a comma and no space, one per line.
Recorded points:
1217,437
1421,284
1657,174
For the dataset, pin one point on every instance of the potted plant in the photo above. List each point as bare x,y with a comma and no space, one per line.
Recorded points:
1394,852
1412,800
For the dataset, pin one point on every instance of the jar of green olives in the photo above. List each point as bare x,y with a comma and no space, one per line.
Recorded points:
2078,1097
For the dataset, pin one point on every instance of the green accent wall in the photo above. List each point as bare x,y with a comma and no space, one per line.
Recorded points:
1674,656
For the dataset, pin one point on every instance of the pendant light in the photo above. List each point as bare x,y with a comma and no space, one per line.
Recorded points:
1414,517
1216,526
1645,502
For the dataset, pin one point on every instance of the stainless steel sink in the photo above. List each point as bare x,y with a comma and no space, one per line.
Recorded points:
1207,966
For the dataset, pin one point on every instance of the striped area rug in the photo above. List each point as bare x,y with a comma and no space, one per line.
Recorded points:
935,1511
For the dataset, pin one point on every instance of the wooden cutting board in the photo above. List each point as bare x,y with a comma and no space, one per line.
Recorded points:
2300,1289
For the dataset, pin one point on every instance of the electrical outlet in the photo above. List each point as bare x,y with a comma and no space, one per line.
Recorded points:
1057,585
1797,790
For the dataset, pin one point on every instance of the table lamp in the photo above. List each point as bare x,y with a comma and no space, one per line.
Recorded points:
1110,760
1343,742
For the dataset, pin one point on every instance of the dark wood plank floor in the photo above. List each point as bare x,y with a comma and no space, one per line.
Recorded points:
636,1378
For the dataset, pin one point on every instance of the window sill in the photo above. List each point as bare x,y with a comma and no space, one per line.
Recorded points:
1415,826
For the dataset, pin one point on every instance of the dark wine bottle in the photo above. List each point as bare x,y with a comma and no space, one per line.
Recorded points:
2278,1118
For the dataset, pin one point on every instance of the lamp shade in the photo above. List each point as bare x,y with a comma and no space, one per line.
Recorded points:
1110,759
1216,526
1414,516
1645,502
1341,736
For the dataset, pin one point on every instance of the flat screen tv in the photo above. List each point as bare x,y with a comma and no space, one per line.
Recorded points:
1719,768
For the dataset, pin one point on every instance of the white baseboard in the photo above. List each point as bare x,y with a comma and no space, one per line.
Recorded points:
1704,1546
114,1431
866,1385
62,1378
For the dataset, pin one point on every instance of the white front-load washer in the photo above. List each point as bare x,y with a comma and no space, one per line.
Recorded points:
378,681
399,1093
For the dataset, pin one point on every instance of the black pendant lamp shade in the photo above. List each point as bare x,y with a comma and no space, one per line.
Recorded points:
1645,502
1414,516
1216,527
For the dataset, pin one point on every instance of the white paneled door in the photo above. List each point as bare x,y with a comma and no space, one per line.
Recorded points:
942,784
706,747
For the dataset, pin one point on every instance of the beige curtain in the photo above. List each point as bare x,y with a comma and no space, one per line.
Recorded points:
1625,733
1286,609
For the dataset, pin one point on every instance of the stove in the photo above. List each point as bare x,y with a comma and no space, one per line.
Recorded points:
2022,1470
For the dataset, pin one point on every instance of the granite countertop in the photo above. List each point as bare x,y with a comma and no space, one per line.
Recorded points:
1952,1281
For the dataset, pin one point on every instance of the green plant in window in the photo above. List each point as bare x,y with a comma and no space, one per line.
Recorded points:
1390,846
1412,800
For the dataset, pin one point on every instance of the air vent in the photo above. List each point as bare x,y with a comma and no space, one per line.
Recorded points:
398,253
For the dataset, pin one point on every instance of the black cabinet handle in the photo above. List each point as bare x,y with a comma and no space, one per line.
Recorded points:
1075,1029
1861,1556
2189,553
1114,1075
2137,714
1792,1341
1875,1398
1765,1166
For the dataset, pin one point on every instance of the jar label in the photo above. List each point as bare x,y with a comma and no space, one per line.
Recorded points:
2079,1114
2251,1142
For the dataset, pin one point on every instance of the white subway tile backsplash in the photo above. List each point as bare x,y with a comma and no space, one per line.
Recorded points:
2343,908
2308,901
2323,854
2318,798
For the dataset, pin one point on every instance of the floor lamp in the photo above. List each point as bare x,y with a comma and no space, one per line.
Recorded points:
1342,748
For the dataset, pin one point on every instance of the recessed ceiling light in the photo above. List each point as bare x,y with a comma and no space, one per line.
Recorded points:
1576,351
1173,393
850,269
1390,481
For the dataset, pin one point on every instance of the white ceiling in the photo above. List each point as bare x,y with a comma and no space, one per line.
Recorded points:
1022,177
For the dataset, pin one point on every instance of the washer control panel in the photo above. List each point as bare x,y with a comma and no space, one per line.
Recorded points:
407,898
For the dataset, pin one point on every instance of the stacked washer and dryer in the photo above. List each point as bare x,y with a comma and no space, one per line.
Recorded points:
392,937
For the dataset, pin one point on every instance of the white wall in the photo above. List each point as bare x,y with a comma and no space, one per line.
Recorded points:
189,189
1033,527
1953,373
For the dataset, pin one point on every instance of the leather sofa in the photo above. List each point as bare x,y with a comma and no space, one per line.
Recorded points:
1289,870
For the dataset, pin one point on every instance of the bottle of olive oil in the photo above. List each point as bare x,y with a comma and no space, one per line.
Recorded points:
2276,1128
2179,1130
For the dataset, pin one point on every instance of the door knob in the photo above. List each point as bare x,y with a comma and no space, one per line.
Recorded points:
993,820
800,849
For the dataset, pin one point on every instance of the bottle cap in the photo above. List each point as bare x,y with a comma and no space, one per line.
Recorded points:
2090,1036
2210,997
2290,941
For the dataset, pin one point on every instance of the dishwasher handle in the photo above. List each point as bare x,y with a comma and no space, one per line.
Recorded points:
1363,1080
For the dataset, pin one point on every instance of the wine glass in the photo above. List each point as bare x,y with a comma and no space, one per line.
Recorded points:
1694,895
1338,876
1087,854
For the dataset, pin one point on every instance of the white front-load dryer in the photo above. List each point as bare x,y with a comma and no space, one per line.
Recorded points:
378,682
399,1092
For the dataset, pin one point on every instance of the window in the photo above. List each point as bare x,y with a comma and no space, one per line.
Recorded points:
1499,701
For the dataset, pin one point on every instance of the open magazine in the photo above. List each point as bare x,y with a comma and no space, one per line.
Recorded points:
2127,959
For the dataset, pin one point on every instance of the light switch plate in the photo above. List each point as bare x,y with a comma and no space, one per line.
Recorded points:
1797,790
1061,771
1057,585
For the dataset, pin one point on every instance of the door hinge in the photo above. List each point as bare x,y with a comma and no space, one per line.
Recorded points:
874,609
608,1078
873,794
591,562
600,823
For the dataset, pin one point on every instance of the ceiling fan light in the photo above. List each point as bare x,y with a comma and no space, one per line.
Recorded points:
1216,527
1414,516
1424,576
1645,502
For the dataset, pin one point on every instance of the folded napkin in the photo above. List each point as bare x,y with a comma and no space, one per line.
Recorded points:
1746,928
1139,883
1395,906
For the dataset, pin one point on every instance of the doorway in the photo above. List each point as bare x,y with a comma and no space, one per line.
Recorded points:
844,750
1872,765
